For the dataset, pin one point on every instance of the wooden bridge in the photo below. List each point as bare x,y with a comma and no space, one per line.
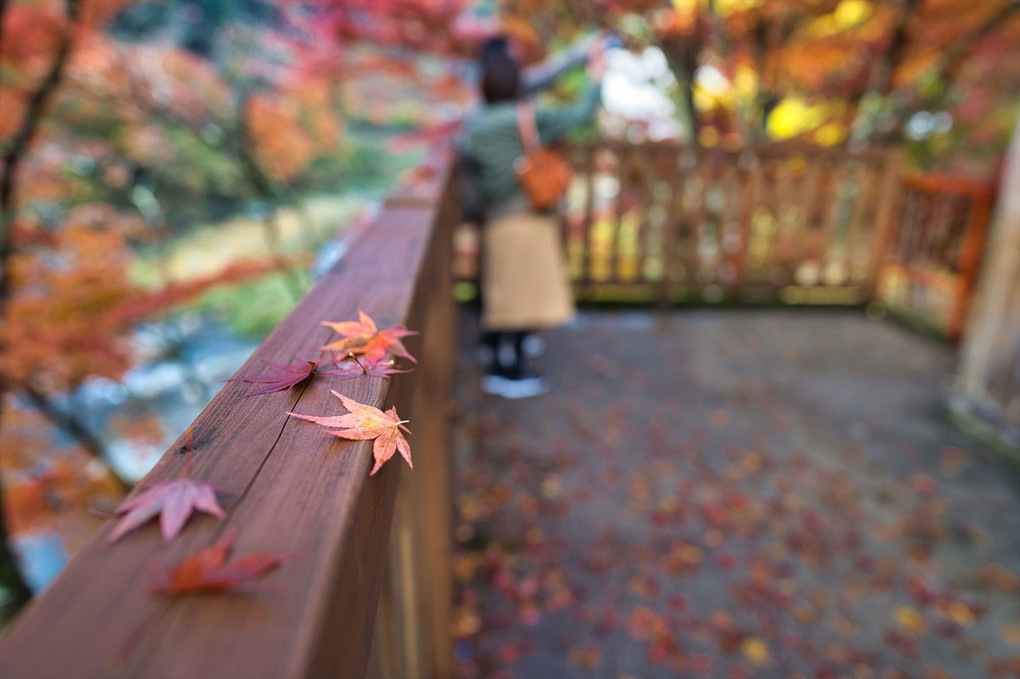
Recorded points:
371,592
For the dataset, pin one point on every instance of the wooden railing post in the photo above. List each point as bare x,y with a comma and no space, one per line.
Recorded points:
885,215
970,256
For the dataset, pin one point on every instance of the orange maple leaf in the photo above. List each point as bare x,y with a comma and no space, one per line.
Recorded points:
362,337
364,422
206,571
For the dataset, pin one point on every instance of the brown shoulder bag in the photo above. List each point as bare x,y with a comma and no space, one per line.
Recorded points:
543,174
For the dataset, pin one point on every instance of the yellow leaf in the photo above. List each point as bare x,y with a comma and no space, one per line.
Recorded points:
910,620
756,651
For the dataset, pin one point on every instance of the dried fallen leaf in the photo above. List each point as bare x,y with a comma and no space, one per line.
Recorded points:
909,619
363,338
588,657
1010,634
353,367
281,377
206,571
756,651
174,501
364,422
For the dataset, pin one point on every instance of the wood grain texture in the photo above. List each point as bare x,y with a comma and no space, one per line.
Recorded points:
287,487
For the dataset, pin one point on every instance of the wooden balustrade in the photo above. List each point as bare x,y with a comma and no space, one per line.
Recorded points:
290,488
784,223
930,263
665,223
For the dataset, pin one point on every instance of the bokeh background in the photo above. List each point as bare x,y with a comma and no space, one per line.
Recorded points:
178,172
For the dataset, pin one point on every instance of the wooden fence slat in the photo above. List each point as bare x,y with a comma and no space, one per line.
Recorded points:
646,200
623,175
702,171
808,207
881,242
751,179
782,200
861,213
589,212
728,219
670,233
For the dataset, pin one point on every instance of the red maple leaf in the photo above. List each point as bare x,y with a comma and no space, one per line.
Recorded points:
280,377
353,367
174,501
364,422
206,571
363,338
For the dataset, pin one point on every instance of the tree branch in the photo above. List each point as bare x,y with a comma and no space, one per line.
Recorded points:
26,132
73,427
10,574
11,579
905,100
881,75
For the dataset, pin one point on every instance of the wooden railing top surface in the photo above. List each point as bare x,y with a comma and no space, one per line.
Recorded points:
770,150
286,486
947,183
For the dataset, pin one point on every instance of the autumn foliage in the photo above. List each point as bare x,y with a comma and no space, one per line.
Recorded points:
117,136
820,71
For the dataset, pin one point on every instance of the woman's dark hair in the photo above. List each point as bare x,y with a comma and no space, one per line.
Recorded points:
501,74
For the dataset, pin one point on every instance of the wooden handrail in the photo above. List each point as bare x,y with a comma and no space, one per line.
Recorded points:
949,184
290,488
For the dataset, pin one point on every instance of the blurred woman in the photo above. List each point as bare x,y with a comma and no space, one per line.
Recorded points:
525,285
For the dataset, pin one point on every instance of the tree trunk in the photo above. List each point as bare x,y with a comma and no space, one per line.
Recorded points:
21,140
75,428
683,62
11,581
905,101
881,77
264,188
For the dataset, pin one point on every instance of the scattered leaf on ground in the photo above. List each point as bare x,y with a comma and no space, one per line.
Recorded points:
756,651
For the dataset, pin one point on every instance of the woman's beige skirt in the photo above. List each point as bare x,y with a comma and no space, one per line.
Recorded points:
525,281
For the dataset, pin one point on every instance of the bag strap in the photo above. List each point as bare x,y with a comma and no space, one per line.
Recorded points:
527,126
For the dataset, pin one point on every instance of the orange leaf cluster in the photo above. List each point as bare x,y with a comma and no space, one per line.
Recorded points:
282,146
363,338
60,326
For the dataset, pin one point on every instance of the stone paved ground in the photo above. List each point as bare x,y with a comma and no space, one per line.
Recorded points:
732,494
